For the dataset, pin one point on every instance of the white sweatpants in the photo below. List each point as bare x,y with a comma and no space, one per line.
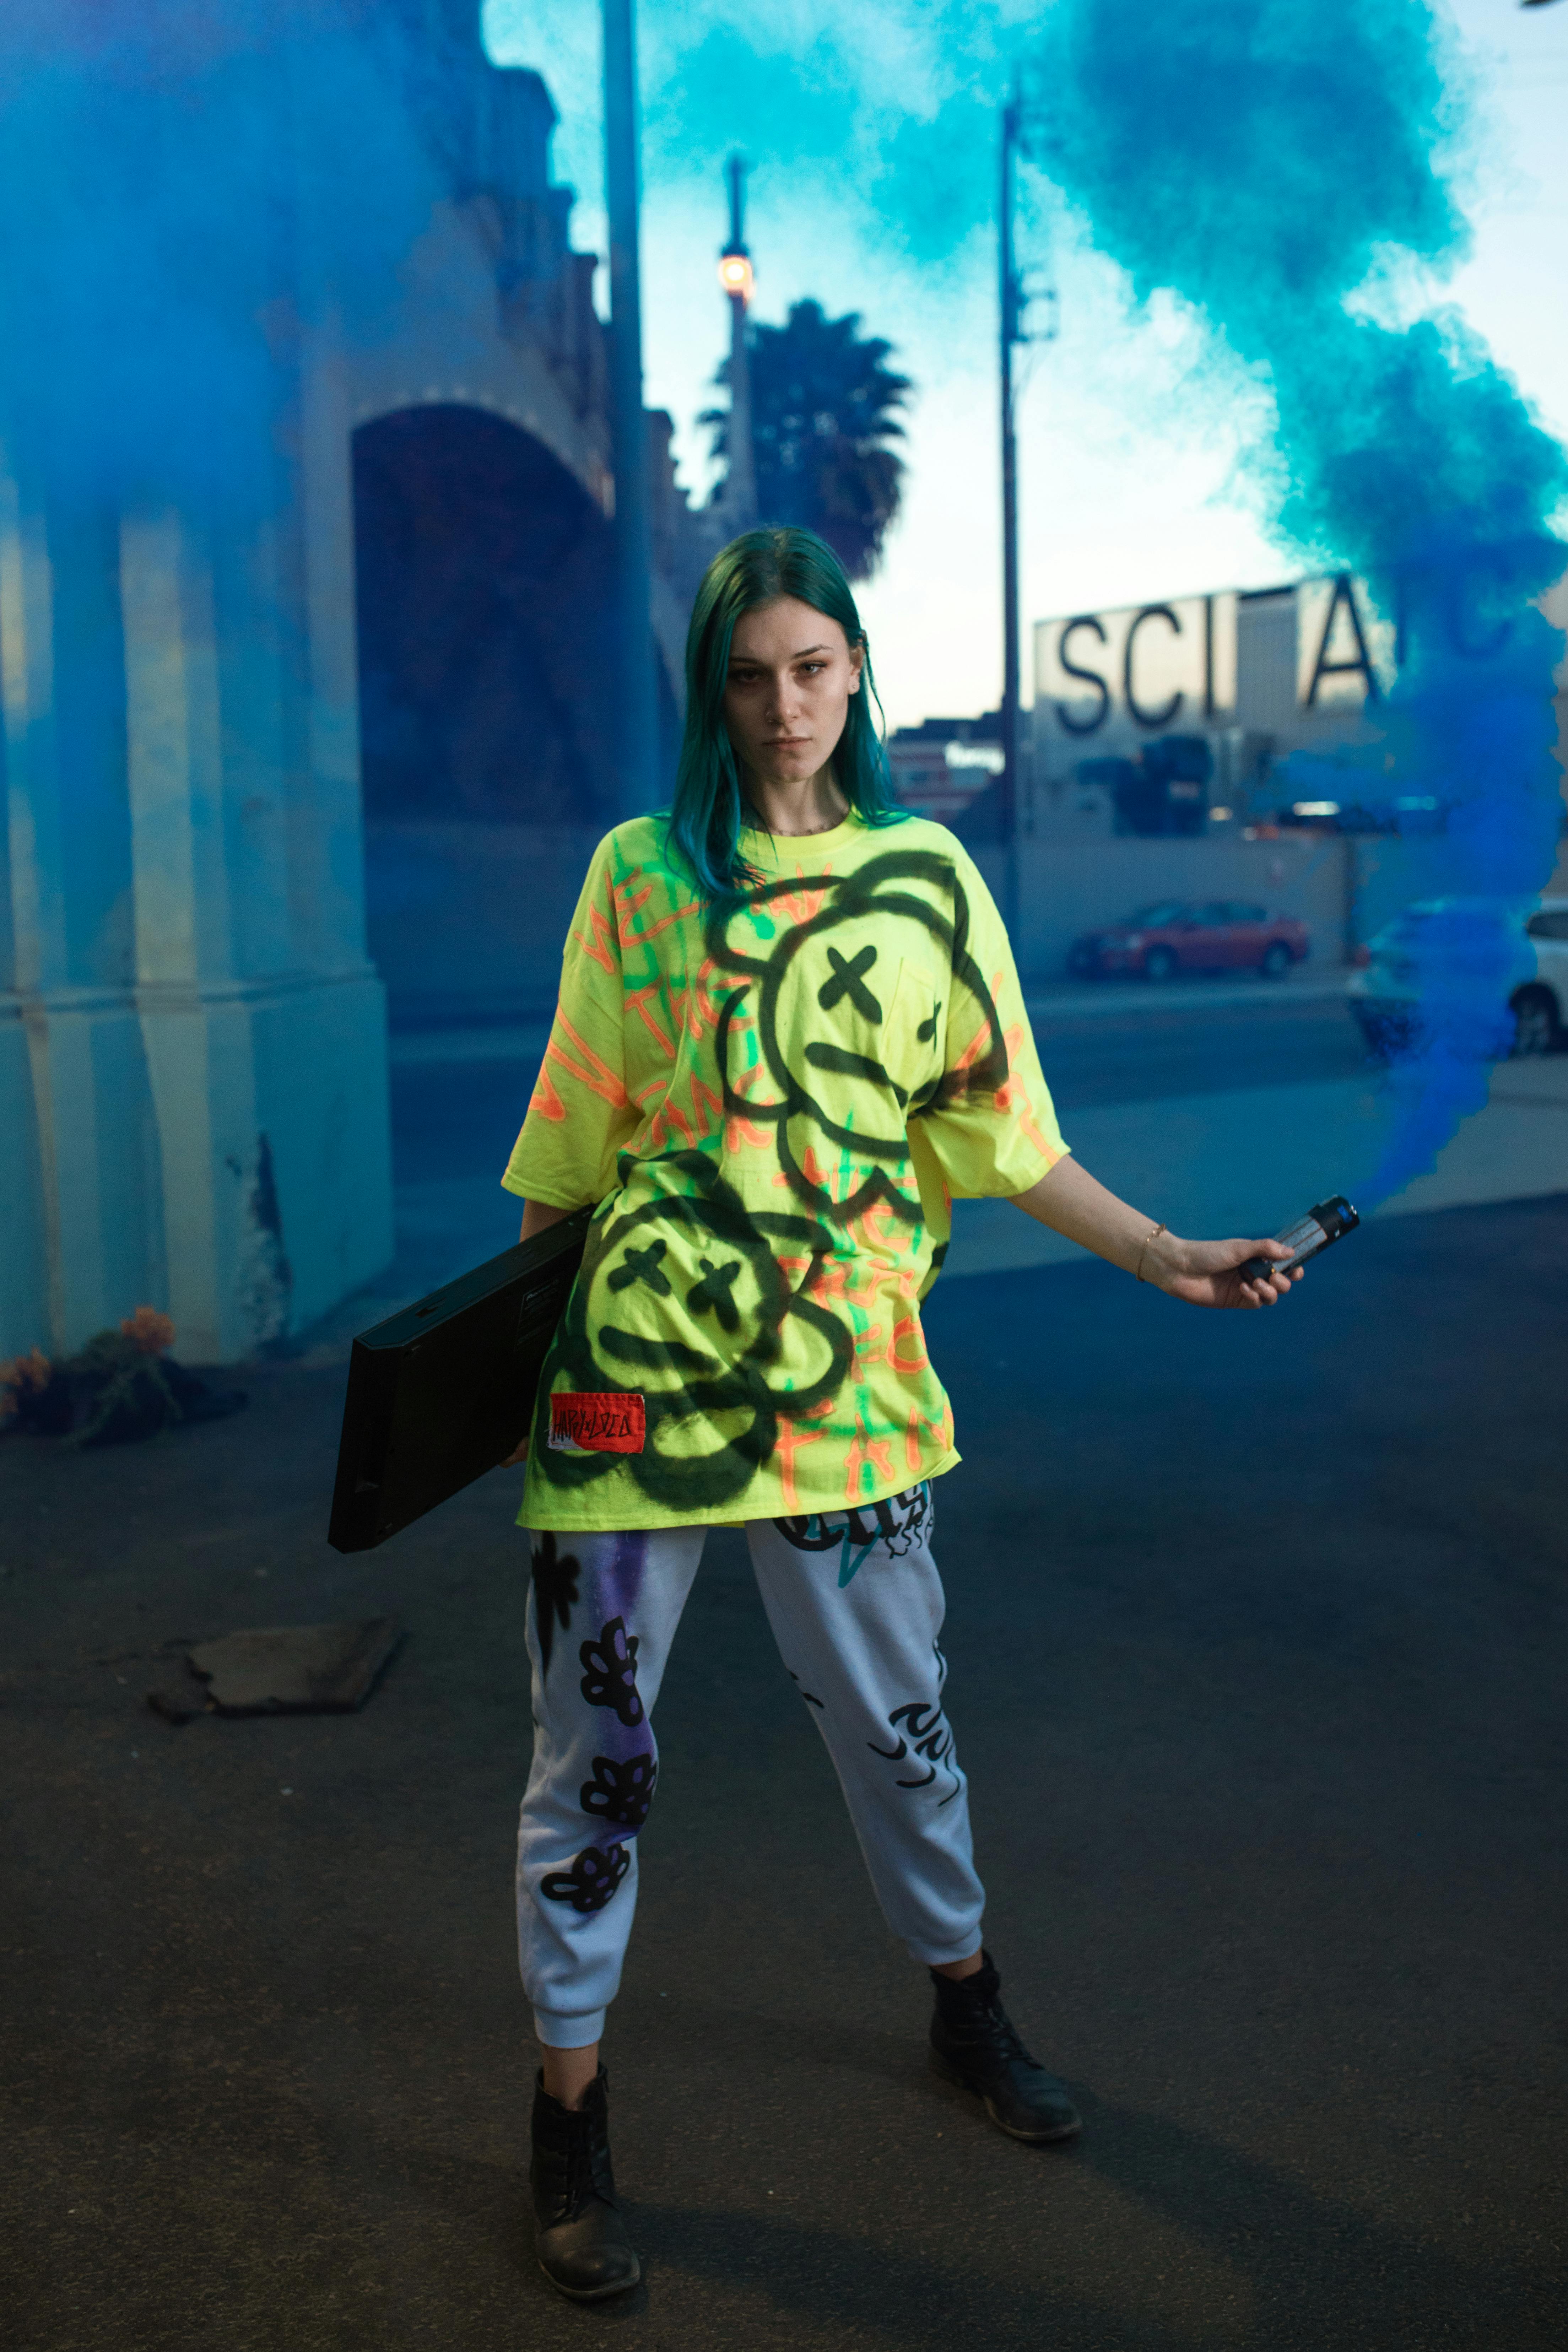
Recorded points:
856,1606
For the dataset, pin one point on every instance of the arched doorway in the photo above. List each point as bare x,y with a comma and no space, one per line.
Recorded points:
483,587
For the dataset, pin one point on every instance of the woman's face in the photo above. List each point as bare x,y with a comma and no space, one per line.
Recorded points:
792,673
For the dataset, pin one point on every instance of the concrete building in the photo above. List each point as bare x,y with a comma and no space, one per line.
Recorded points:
1257,676
192,1029
1277,687
1281,687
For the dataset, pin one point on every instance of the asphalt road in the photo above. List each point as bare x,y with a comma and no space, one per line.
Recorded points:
1254,1630
460,1118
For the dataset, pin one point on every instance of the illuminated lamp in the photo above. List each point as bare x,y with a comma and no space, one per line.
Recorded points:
736,275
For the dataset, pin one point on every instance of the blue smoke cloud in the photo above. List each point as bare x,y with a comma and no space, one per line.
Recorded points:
1286,170
1280,165
1284,167
884,116
164,169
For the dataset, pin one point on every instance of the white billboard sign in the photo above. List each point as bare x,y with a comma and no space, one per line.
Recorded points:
1198,662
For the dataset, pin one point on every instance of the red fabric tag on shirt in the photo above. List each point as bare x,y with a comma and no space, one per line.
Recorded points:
597,1424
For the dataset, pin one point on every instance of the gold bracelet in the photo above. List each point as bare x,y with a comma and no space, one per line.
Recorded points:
1151,1235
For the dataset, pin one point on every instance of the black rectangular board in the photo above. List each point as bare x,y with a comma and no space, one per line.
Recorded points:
442,1391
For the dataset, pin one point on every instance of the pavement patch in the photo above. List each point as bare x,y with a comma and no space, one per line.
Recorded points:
279,1670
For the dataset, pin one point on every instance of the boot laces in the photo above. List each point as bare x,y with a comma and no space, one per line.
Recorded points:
586,2167
996,2031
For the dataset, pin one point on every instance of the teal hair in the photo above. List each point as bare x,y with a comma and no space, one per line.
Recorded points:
703,826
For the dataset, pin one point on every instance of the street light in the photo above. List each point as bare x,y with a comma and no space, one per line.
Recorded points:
737,278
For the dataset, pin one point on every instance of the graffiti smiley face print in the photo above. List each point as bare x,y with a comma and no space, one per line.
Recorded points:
773,1107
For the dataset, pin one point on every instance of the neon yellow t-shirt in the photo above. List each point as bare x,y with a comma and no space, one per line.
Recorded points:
773,1110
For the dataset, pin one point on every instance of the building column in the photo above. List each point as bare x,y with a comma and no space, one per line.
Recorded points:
24,1250
193,1049
265,1026
81,1244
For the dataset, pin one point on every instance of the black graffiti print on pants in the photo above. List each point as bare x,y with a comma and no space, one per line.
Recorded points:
930,1739
621,1793
591,1880
555,1578
898,1523
610,1671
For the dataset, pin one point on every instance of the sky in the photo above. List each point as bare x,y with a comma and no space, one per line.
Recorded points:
1136,480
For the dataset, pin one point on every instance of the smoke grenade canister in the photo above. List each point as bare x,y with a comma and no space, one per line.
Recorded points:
1327,1223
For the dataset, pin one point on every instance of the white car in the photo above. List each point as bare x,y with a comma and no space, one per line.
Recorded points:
1485,970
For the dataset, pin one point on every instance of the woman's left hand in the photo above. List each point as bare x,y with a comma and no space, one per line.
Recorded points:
1207,1274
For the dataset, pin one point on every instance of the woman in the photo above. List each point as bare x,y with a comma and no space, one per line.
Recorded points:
789,1033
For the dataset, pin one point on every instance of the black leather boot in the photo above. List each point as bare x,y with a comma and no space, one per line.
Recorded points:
975,2043
581,2240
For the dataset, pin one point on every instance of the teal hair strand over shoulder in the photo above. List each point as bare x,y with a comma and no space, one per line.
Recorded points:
703,827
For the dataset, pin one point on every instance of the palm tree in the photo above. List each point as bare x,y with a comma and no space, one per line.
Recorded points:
823,404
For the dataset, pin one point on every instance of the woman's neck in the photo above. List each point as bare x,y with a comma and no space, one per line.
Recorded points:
812,804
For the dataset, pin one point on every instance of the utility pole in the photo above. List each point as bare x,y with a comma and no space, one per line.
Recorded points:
736,276
1011,319
637,734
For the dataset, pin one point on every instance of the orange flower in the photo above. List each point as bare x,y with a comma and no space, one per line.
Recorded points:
30,1371
152,1333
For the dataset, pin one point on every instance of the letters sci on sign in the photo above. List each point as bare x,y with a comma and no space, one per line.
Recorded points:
1239,656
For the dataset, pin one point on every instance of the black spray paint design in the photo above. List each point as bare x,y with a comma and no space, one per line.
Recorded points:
555,1576
619,1793
610,1672
929,1738
590,1880
894,1526
677,1380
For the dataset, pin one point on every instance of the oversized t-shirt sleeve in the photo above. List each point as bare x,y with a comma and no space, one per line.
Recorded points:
580,1116
991,1126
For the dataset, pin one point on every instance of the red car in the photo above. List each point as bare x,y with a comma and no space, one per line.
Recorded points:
1175,935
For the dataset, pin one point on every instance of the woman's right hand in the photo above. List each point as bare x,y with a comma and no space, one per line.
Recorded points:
518,1454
